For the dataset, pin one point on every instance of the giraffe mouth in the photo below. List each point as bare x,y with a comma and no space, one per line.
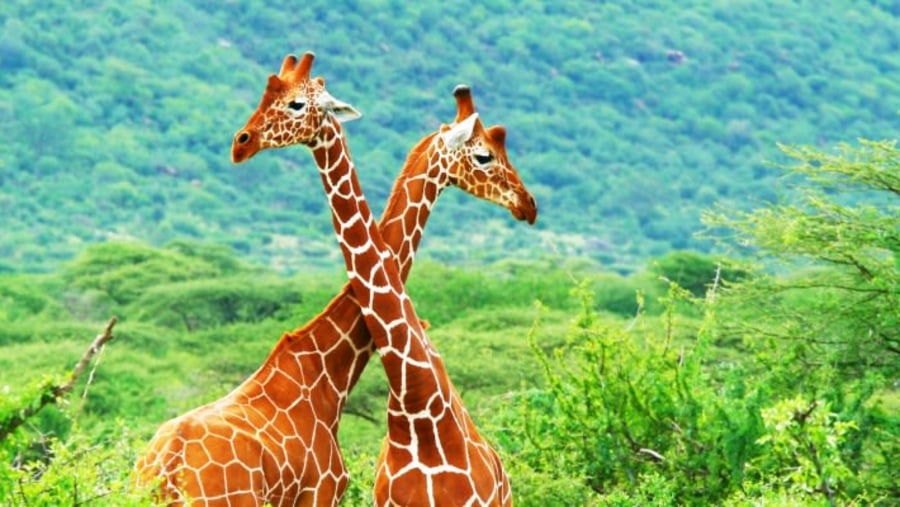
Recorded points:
527,209
238,156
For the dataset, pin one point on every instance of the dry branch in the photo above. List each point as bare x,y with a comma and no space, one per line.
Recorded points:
54,392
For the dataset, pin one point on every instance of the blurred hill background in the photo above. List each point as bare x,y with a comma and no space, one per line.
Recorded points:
624,120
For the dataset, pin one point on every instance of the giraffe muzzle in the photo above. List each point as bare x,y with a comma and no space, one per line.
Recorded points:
244,146
527,210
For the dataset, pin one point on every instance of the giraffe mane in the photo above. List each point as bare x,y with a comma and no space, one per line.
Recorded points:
421,146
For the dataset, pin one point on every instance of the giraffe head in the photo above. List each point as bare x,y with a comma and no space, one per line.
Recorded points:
292,110
478,163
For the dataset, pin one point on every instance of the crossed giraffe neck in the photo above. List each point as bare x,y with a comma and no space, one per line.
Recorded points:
431,440
221,453
433,454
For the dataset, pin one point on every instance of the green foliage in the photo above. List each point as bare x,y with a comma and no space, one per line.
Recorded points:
125,270
826,329
444,293
27,398
844,309
632,392
652,489
620,295
73,471
221,257
22,297
535,488
803,440
44,331
191,304
694,271
626,406
649,412
362,480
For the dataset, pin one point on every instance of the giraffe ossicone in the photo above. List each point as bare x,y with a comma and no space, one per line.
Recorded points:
273,439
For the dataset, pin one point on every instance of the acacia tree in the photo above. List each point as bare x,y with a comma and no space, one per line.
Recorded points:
840,244
824,323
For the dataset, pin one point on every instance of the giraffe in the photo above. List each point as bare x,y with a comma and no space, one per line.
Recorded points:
433,453
234,451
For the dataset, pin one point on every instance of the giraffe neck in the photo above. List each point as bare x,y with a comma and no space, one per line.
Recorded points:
414,194
414,370
336,345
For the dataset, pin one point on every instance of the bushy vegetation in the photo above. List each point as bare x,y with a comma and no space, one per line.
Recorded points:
768,383
779,387
625,118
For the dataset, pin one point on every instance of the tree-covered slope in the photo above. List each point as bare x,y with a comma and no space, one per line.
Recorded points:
625,119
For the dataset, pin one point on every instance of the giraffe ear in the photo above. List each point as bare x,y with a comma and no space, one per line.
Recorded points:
458,134
341,110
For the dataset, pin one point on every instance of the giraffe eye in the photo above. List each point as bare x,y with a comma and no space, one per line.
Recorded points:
296,105
483,159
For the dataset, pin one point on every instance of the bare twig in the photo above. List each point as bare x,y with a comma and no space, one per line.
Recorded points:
53,393
362,415
653,454
95,347
802,415
711,292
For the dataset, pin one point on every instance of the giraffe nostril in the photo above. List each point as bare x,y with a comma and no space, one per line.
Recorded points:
531,200
243,138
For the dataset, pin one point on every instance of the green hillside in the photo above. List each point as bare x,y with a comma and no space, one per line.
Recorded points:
625,119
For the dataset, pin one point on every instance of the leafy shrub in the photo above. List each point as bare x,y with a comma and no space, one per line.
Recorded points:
537,488
801,450
23,297
125,270
362,479
196,304
626,296
631,414
444,293
73,471
40,330
826,327
694,271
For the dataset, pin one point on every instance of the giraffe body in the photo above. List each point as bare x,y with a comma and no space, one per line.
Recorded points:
273,439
